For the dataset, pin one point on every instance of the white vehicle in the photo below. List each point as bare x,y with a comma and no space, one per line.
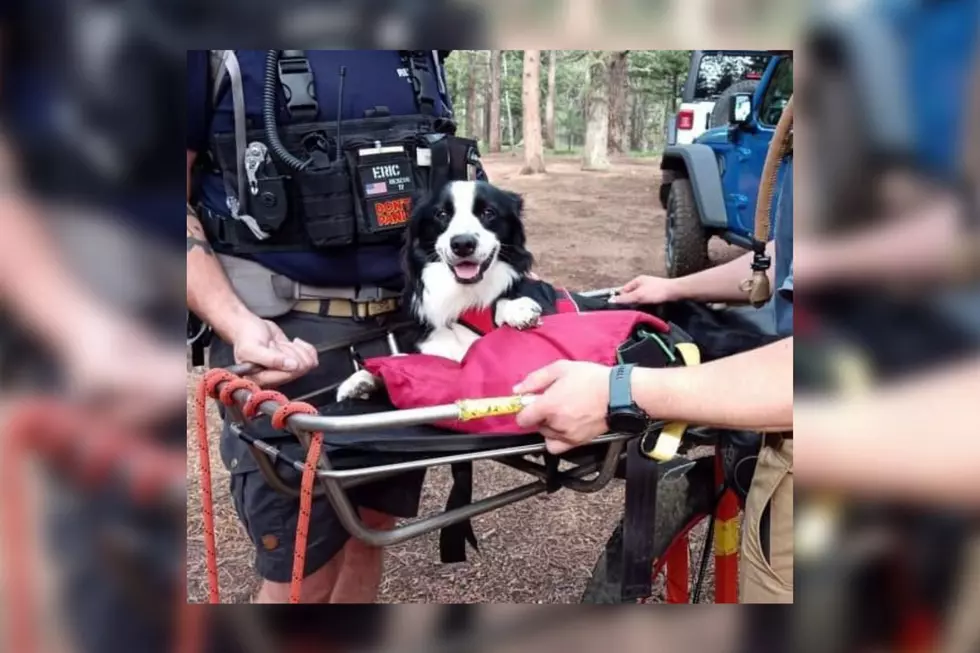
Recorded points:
713,77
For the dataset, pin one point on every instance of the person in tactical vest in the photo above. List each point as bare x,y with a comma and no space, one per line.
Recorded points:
302,166
90,270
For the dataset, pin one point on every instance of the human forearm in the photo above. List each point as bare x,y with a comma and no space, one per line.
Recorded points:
209,293
913,248
893,444
753,390
719,283
35,285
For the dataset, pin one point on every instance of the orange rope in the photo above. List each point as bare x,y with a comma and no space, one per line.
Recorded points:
67,436
306,494
208,387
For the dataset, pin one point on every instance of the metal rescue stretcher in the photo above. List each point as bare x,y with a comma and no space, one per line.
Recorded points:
394,443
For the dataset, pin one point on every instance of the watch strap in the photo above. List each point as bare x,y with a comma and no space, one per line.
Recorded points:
620,392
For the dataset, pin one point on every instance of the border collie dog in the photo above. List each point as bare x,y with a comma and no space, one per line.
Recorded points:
464,251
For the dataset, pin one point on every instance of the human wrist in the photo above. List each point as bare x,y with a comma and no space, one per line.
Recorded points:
230,321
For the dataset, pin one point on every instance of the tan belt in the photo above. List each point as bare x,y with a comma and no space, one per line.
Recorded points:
346,307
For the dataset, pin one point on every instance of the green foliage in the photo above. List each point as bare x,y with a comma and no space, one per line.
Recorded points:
655,78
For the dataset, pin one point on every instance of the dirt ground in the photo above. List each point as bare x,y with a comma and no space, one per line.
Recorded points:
587,230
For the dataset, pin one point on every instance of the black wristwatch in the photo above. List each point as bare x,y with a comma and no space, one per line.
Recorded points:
623,416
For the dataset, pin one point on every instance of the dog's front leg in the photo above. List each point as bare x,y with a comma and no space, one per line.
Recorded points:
520,313
360,384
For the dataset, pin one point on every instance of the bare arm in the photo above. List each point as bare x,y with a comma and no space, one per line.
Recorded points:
34,283
717,284
916,441
918,247
209,293
720,283
752,391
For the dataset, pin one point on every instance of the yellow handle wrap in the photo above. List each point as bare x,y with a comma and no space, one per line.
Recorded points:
669,438
490,407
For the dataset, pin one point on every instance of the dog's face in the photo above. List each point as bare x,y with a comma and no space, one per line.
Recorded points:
469,226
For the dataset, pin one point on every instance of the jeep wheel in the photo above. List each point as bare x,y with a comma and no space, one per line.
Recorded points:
686,241
719,112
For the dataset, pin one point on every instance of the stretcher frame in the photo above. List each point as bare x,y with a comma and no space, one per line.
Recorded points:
334,482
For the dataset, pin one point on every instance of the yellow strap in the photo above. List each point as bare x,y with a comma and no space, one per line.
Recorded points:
726,536
670,436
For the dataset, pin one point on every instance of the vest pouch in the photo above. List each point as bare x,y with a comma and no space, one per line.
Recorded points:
327,203
384,182
269,203
461,154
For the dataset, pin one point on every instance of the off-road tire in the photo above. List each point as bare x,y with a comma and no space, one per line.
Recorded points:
679,502
686,242
719,112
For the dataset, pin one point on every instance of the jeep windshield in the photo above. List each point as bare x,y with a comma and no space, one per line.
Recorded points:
716,71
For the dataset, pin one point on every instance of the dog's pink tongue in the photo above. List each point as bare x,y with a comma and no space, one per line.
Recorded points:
466,270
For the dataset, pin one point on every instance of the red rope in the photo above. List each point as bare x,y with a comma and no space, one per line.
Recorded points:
306,494
68,437
208,387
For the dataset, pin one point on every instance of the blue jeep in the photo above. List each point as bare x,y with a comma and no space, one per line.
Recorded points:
709,187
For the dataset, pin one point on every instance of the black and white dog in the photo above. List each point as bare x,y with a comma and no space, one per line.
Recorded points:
464,251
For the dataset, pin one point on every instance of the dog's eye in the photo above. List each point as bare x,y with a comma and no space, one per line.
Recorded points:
488,214
442,215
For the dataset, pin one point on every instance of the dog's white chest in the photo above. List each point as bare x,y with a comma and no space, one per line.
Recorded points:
451,342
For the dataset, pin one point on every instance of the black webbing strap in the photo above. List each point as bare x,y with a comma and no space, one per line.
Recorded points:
296,78
453,538
639,523
422,76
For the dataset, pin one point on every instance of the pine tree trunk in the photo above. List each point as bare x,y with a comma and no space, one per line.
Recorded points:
618,88
595,155
510,113
549,107
470,126
495,72
533,145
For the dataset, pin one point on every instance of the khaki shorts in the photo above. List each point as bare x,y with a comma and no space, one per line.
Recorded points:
762,581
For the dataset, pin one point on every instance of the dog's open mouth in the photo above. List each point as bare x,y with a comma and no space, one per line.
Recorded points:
470,271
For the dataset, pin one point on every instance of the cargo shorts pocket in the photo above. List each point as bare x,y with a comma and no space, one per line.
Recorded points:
761,580
263,515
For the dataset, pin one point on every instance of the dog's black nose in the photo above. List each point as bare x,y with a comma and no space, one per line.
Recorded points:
463,244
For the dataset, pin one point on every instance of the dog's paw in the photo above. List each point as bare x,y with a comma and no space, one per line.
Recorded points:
359,385
520,313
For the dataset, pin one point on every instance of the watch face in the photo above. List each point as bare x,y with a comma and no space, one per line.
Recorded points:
627,422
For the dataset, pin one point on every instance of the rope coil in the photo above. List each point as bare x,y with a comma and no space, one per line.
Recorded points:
221,385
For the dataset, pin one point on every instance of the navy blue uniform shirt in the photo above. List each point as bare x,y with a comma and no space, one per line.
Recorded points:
372,80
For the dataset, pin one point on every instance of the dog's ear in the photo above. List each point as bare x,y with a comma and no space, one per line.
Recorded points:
515,203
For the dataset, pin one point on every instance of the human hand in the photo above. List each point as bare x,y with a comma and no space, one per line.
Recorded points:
572,404
645,289
263,343
117,368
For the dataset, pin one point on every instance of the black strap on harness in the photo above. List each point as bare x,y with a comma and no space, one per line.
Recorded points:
296,77
639,520
422,77
453,538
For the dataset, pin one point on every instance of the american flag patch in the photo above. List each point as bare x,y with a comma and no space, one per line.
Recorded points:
376,188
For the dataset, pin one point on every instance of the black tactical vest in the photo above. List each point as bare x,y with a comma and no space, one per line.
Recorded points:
312,185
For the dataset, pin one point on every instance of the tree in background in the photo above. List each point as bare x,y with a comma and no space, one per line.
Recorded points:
470,127
533,145
549,107
595,154
496,57
618,101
